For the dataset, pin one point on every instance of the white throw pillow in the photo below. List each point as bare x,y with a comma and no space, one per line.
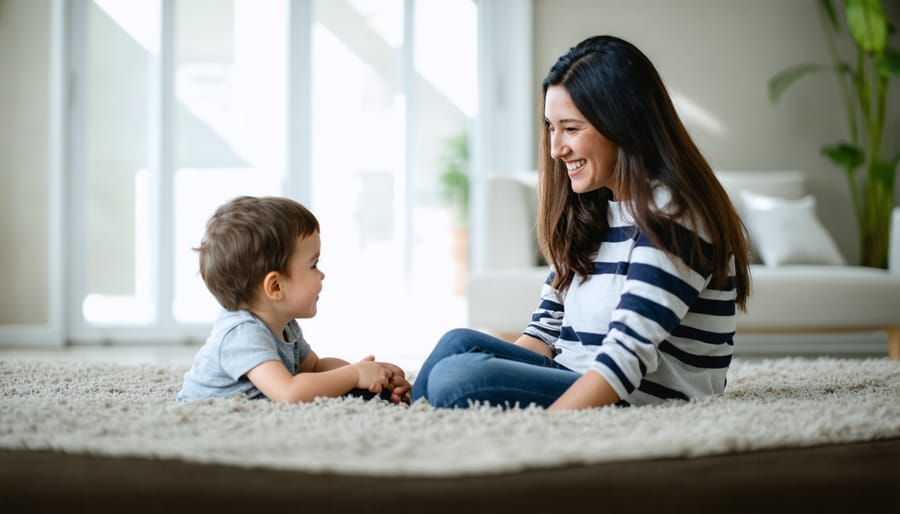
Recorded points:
786,231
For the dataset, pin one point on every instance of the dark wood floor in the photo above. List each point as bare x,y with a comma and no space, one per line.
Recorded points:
837,478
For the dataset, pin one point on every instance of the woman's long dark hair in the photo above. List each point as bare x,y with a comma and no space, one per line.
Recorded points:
618,90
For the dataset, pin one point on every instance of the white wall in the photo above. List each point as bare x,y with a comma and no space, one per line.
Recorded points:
24,135
718,55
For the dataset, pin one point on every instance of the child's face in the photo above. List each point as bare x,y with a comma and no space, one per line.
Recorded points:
304,283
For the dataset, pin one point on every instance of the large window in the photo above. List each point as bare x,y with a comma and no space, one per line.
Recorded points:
180,105
126,123
183,104
386,105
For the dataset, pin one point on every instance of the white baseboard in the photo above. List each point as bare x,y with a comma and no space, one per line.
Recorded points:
36,336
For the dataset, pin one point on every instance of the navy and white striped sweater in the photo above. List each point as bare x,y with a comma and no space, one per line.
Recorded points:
651,325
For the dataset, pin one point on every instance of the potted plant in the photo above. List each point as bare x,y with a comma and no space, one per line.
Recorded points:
455,181
455,177
863,85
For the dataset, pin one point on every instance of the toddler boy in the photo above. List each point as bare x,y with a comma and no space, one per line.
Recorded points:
259,258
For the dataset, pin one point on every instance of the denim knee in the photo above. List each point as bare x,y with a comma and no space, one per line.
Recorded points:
452,377
459,340
451,343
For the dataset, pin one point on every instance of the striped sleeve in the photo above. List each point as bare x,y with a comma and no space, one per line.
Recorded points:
546,321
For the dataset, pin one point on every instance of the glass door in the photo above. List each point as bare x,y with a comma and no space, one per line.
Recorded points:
392,97
179,105
182,107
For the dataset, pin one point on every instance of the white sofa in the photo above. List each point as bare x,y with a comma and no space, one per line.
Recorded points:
785,299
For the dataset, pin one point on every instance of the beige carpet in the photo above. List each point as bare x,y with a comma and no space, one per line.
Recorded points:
118,410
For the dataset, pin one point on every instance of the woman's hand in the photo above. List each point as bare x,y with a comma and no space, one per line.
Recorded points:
534,344
400,389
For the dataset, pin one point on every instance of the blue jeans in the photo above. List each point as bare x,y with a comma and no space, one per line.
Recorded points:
470,366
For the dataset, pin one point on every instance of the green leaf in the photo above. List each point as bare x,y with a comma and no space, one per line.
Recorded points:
845,68
867,24
845,155
828,7
783,80
889,63
884,172
890,167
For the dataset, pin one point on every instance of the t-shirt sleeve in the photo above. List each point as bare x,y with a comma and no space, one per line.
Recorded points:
246,346
303,352
296,334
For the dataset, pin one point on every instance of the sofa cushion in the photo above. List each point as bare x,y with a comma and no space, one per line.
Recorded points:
787,231
502,300
796,297
783,184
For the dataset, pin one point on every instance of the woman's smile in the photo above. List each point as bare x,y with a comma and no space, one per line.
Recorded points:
575,167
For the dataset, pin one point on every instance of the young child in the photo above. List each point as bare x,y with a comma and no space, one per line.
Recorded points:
259,258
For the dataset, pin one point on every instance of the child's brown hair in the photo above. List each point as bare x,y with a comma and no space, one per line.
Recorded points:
247,238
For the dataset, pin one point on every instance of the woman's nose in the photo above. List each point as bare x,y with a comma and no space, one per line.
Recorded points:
556,147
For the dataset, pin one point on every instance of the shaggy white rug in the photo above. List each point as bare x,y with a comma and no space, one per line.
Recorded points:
119,410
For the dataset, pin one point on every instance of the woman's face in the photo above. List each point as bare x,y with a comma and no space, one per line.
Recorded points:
590,158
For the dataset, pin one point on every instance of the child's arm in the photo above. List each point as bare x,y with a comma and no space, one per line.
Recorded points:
276,382
399,386
314,364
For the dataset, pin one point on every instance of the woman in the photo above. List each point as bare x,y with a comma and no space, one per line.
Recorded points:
649,259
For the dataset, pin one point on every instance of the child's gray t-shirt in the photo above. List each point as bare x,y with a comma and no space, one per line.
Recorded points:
238,343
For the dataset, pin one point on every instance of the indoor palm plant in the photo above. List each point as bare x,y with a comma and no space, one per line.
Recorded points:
863,83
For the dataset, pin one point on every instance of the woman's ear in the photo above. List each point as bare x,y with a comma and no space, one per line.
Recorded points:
272,286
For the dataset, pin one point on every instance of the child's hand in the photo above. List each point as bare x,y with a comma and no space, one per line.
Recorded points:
398,386
400,389
372,376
